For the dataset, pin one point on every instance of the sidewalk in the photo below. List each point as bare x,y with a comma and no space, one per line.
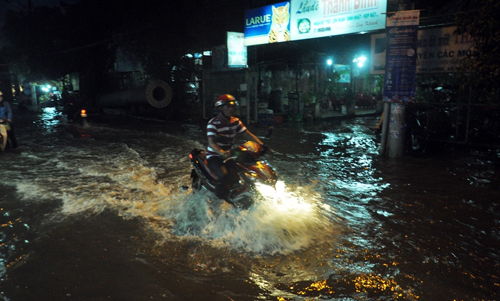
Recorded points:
270,119
338,114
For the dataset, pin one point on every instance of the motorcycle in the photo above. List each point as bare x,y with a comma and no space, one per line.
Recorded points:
4,138
245,183
417,139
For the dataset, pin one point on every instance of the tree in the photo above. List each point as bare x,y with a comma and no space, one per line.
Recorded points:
482,71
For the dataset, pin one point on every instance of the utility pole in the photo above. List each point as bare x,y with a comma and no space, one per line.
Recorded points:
399,79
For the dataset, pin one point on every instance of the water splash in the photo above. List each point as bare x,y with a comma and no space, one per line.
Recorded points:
269,226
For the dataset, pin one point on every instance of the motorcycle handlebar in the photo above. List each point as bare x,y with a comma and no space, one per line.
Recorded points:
237,154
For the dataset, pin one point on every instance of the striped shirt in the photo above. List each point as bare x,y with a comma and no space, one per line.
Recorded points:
219,126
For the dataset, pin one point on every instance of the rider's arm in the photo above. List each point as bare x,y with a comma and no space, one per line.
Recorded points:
9,111
249,136
215,146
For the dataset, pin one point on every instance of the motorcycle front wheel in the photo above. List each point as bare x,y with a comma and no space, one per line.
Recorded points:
416,145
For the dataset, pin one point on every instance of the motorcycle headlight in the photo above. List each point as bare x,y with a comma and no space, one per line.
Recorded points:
269,191
280,187
266,190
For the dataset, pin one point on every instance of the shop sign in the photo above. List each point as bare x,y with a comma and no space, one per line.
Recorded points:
236,50
323,18
268,24
439,50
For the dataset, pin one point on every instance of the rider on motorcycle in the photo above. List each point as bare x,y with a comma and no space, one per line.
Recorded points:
227,126
6,114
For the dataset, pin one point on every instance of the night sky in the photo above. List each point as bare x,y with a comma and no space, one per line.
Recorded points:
22,5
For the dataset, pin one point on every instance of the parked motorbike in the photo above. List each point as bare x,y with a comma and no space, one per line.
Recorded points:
245,184
4,138
417,138
416,141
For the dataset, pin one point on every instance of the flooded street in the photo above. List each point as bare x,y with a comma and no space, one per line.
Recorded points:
96,213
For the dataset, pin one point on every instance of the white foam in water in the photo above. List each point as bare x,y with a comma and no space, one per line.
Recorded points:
269,226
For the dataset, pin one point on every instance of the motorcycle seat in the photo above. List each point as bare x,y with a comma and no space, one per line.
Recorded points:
202,157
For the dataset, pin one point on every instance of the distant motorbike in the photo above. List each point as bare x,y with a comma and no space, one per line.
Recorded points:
4,138
250,175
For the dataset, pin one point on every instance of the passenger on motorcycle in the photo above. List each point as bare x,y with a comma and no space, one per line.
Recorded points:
6,114
221,131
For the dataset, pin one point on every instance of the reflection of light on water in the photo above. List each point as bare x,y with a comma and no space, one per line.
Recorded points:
50,116
376,284
50,113
348,157
367,284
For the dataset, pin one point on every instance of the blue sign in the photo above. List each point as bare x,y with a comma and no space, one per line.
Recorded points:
401,56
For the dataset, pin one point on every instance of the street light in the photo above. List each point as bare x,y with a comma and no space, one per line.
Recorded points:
329,67
360,60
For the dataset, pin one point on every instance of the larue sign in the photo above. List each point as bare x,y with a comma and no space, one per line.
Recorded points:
299,20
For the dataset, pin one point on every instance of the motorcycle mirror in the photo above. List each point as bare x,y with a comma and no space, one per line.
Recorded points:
270,131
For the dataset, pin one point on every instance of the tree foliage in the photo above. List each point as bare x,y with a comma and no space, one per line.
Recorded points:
482,72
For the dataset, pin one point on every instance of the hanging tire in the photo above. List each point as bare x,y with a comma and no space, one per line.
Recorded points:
417,145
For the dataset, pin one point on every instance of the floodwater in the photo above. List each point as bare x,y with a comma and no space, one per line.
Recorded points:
96,213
